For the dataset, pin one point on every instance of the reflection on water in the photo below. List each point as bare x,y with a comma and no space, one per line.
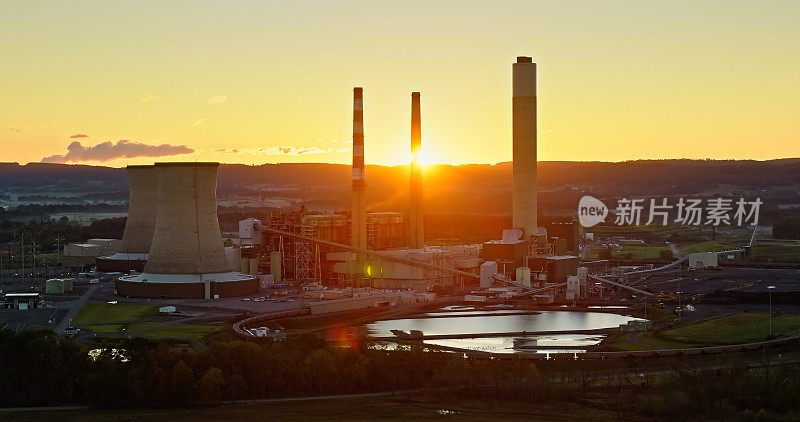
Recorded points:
607,307
498,321
492,312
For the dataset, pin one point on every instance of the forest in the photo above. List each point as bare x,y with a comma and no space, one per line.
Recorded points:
42,368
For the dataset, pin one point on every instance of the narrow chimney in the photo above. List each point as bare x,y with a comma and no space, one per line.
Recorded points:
416,234
358,235
524,145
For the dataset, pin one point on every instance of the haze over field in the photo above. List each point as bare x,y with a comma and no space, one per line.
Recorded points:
476,188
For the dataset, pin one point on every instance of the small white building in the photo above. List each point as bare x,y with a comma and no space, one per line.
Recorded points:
83,250
573,287
700,260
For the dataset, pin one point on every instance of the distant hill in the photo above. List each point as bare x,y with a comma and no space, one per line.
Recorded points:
474,188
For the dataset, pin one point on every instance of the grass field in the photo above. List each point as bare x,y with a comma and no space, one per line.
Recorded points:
642,252
736,328
651,232
98,313
707,246
776,250
640,341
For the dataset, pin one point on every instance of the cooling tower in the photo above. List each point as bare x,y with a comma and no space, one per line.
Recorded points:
141,222
524,146
187,239
358,231
416,233
187,257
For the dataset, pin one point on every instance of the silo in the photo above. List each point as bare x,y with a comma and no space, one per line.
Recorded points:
54,286
253,267
187,257
275,266
140,225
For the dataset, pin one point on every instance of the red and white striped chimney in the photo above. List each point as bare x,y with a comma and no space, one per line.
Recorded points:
358,235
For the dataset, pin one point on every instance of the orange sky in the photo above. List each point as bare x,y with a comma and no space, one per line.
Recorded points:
260,81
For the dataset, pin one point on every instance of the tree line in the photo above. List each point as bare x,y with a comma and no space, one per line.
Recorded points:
42,368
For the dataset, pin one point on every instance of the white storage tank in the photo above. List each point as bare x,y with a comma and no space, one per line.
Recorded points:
524,276
234,255
253,266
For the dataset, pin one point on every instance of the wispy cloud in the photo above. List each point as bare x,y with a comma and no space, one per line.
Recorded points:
217,99
147,97
281,150
199,122
108,151
79,135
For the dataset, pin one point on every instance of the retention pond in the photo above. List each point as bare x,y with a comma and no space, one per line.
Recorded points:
506,330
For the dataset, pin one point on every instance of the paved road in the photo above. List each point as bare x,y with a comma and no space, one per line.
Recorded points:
75,307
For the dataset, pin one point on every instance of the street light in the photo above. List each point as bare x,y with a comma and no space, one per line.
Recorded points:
770,309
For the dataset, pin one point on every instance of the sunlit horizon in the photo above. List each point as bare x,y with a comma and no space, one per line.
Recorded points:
266,82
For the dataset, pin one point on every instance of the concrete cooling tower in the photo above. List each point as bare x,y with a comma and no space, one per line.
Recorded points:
138,235
187,257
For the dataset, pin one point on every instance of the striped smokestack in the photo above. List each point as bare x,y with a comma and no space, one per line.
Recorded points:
524,146
416,233
358,235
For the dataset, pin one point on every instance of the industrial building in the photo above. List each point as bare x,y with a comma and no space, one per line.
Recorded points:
340,251
173,235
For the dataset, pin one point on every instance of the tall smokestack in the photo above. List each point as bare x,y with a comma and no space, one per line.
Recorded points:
358,235
416,234
524,139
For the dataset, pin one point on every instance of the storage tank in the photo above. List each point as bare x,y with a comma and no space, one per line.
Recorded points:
54,286
234,255
253,267
275,266
524,276
488,269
